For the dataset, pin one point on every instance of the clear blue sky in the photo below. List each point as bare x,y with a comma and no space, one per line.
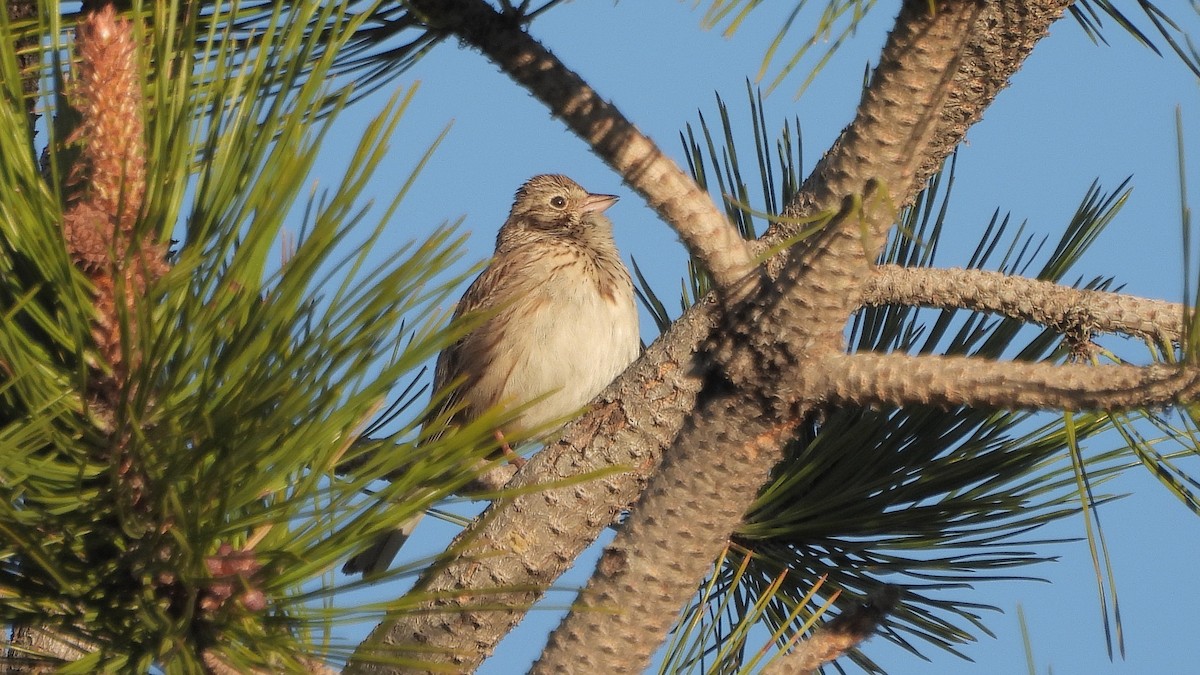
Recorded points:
1077,112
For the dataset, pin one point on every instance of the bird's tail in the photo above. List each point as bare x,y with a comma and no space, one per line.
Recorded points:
376,559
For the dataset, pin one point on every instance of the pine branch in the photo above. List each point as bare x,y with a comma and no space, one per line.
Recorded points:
168,498
215,664
999,40
34,650
624,429
99,229
1071,311
869,379
643,410
761,382
837,637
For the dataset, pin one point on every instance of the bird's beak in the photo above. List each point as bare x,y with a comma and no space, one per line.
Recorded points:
597,203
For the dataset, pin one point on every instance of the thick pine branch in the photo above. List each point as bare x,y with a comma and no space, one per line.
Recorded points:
761,381
1001,37
646,407
662,551
525,542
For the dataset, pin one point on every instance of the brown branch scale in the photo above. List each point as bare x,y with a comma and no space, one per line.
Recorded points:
998,39
642,571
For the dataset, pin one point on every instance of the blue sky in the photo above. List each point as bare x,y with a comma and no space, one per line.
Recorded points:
1076,113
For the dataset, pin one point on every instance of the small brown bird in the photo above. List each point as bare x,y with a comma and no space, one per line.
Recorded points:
566,322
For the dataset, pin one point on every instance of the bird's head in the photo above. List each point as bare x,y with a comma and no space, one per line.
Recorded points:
556,205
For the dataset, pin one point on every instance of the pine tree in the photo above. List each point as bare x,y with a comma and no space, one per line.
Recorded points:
203,413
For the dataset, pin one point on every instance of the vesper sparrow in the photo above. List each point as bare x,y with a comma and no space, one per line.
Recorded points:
566,324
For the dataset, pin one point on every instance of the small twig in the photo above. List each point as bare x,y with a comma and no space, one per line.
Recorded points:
837,637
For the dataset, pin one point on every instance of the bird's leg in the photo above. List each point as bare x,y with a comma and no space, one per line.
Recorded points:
513,458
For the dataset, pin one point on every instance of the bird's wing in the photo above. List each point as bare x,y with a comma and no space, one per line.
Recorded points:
458,363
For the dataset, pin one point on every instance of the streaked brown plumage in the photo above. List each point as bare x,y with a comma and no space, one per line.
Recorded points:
565,323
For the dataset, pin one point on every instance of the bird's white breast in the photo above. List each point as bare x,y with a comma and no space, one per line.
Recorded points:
573,347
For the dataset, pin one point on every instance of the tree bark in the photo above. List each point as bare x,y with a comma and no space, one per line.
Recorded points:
528,541
766,372
867,379
34,650
998,42
1070,311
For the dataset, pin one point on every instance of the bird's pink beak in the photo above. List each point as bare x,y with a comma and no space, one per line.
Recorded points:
597,203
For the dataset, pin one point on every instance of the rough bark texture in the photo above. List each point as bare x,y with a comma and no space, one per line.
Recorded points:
778,356
528,541
662,551
836,637
894,379
1070,311
999,40
650,402
39,650
766,370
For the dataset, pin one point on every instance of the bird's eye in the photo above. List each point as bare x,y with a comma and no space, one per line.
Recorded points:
558,201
